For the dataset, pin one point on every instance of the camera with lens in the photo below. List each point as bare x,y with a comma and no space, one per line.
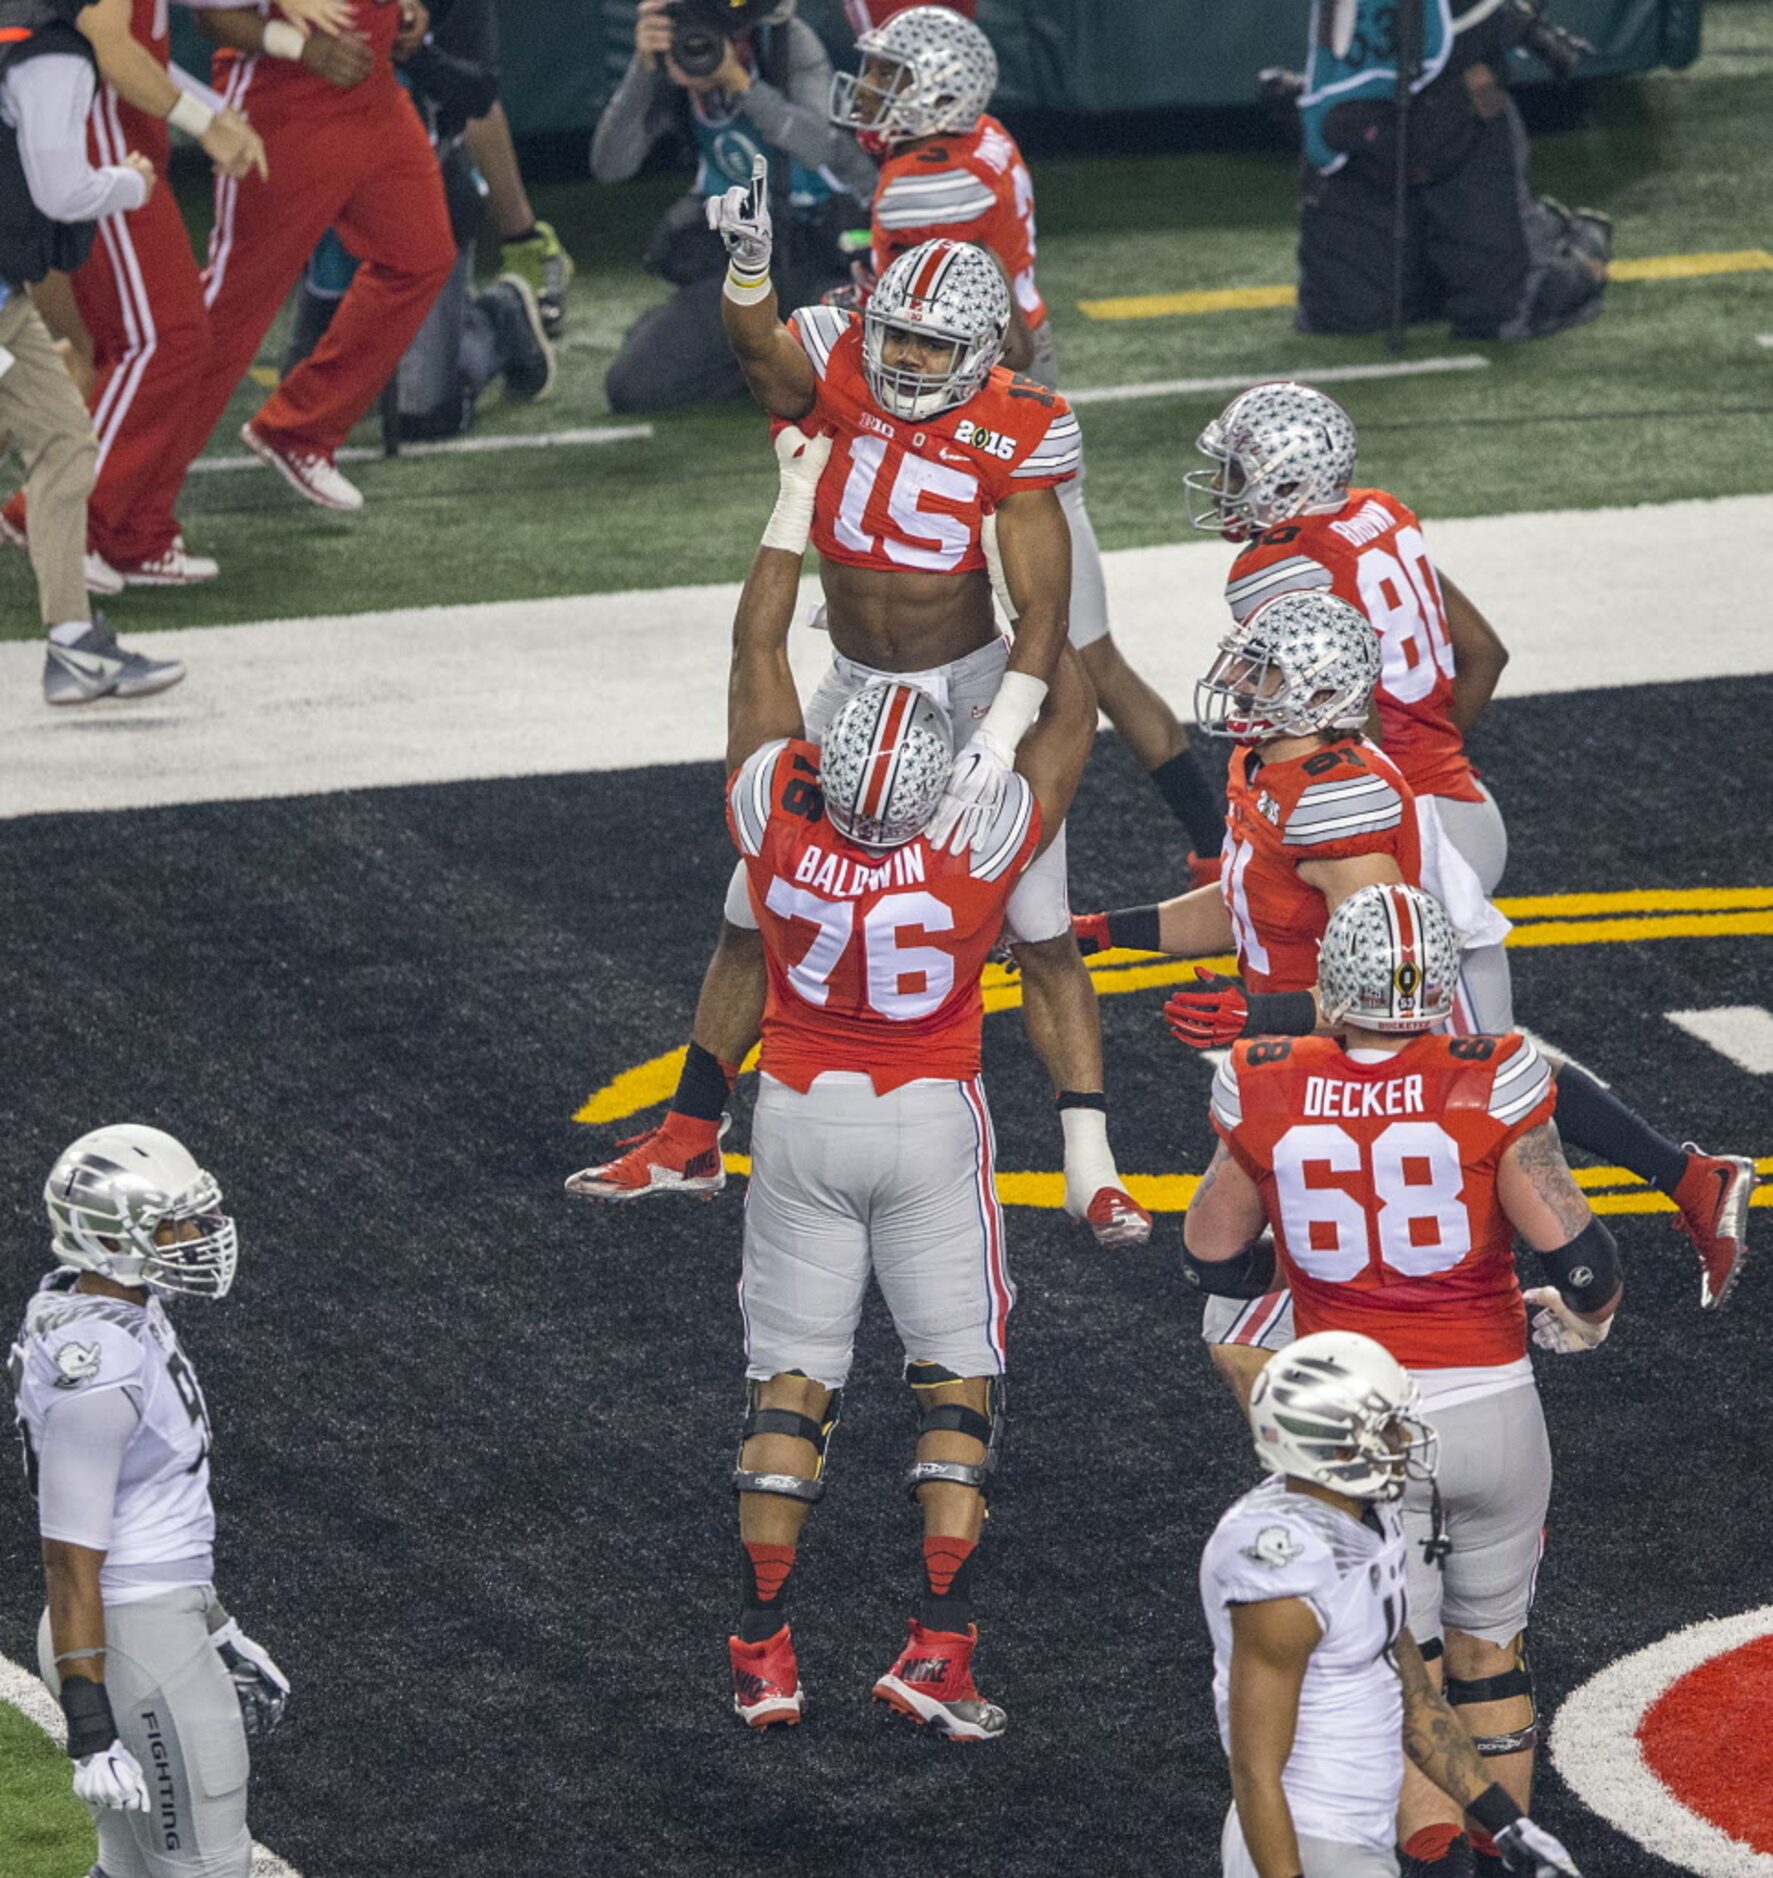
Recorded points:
1525,25
700,30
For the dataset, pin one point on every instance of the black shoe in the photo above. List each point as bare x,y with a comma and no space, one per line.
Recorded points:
510,303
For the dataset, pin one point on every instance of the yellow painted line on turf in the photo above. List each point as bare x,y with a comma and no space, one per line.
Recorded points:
1152,306
1649,913
1648,900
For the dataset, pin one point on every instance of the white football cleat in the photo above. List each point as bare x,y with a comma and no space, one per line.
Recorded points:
307,472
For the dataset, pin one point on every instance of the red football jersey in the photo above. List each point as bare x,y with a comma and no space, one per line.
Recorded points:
1345,799
973,187
1370,554
874,957
1379,1179
898,495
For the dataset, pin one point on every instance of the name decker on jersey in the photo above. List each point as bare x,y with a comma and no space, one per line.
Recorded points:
874,958
897,495
1370,553
1381,1180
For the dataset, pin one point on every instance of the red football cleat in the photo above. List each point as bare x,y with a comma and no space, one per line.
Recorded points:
1713,1198
766,1681
1203,869
1117,1219
682,1155
932,1682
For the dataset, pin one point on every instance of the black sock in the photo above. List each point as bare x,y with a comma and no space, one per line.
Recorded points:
1595,1120
764,1589
948,1584
1184,787
529,234
704,1086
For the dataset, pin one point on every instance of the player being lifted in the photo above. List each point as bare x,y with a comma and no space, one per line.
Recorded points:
1320,1688
160,1689
931,436
871,1145
1281,485
950,169
1395,1168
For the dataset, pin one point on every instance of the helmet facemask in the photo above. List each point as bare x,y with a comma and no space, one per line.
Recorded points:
947,292
927,72
1277,451
1302,664
125,1220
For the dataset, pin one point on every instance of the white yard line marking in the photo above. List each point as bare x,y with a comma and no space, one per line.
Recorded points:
1764,339
465,446
1742,1032
27,1694
1238,381
621,680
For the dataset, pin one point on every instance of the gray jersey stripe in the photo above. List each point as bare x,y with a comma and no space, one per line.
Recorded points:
1008,832
820,329
1227,1100
1344,830
1298,570
1510,1111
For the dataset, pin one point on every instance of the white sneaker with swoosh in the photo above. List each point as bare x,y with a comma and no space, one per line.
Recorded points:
96,666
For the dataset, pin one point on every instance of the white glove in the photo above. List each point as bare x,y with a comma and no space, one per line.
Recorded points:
111,1779
1525,1847
1557,1328
800,462
975,792
741,218
261,1686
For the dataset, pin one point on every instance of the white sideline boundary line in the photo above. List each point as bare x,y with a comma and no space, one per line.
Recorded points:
1319,375
26,1693
464,446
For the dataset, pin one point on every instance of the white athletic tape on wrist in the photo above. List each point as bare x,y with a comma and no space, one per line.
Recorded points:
1014,709
746,289
191,115
791,520
283,40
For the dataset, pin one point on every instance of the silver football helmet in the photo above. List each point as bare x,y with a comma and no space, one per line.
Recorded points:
927,72
111,1194
1389,960
1303,663
944,290
1338,1409
1277,450
884,764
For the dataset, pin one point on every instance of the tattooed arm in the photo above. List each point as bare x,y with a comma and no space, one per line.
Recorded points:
1434,1737
1225,1215
1539,1193
1546,1207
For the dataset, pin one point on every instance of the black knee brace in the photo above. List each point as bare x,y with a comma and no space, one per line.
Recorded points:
1512,1682
774,1421
954,1418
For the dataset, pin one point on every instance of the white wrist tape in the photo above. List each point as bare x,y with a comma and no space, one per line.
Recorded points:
1013,710
283,40
191,115
791,520
747,289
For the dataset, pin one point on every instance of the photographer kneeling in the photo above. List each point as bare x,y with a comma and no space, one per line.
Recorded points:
744,78
1481,249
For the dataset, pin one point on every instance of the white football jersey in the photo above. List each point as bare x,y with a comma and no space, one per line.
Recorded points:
162,1523
1347,1763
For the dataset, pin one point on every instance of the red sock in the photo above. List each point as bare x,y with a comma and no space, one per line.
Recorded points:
1431,1842
770,1566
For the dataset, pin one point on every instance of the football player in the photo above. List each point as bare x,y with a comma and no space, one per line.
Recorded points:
871,1144
1281,485
950,169
160,1688
1395,1168
931,435
1320,1688
1315,811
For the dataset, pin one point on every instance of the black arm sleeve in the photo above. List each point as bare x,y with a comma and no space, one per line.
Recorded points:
1246,1274
1586,1271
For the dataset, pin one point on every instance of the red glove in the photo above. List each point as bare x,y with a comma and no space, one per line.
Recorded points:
1211,1017
1203,869
1090,930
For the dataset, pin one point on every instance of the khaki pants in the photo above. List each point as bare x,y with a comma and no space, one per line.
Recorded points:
52,433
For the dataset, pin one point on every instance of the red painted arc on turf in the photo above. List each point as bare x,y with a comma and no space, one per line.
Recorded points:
1709,1739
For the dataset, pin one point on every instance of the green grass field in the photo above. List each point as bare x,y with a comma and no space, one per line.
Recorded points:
44,1831
1665,396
